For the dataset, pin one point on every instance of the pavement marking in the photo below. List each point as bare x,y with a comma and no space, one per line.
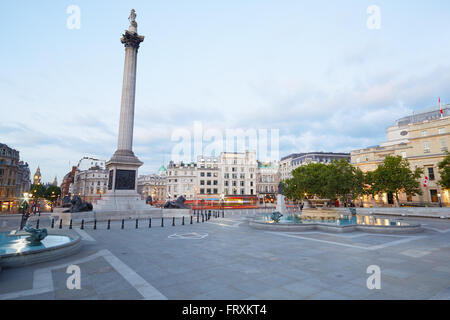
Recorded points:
435,229
234,225
191,235
84,235
415,253
376,247
43,281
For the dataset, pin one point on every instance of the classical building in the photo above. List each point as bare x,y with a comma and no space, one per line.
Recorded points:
23,179
181,180
86,163
267,180
153,185
295,160
9,167
238,171
91,184
37,176
421,138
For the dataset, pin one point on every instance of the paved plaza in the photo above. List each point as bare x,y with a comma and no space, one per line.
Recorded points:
226,259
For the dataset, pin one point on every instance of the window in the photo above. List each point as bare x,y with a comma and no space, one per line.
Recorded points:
226,183
431,174
202,191
202,174
426,147
208,182
215,191
208,174
424,133
202,182
441,130
443,145
242,183
403,155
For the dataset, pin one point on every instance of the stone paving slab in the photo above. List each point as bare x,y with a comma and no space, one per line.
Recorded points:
235,262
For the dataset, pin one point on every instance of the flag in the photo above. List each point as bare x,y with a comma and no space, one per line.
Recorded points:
440,107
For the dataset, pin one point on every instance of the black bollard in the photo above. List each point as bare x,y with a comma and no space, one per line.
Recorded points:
150,222
109,224
137,223
173,222
53,223
203,218
37,224
162,221
191,219
182,221
60,223
95,224
198,220
123,224
82,224
70,225
223,214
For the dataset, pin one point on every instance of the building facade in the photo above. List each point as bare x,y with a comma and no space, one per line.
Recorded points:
238,171
267,180
90,184
154,185
426,140
9,167
67,183
208,178
293,161
181,180
23,179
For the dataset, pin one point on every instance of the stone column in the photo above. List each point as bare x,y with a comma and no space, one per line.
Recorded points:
131,41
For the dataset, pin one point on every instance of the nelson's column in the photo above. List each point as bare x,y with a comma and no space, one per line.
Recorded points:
123,166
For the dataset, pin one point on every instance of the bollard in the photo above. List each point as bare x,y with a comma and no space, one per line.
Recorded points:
95,224
150,222
137,223
70,225
109,224
162,221
198,218
173,222
53,223
203,218
191,219
82,224
123,223
182,221
60,223
37,224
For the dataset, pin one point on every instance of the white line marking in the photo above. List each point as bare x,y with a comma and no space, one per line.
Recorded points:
381,246
43,281
84,235
438,230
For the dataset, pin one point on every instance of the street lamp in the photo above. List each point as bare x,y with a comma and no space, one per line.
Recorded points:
440,202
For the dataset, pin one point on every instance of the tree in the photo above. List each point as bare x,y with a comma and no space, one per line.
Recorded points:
37,191
310,179
52,193
444,171
341,180
394,175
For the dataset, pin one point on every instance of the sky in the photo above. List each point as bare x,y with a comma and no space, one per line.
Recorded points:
311,69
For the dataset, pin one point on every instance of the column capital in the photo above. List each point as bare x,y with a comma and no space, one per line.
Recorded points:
131,39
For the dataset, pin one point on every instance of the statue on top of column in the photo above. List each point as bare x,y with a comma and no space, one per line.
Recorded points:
132,18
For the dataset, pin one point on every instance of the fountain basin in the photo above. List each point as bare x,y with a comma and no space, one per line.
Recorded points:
15,251
341,223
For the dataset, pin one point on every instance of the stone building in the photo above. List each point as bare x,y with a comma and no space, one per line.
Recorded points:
295,160
37,176
267,180
208,177
9,167
153,185
90,184
425,138
67,183
238,171
23,179
181,180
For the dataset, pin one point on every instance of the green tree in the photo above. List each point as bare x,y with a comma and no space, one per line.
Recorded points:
52,193
341,180
394,175
310,179
37,191
444,171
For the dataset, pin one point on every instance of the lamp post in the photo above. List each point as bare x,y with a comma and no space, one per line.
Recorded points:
440,202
